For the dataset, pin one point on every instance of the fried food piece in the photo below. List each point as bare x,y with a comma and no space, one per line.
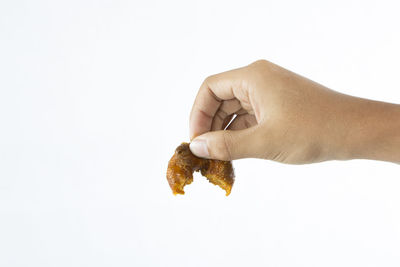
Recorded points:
183,163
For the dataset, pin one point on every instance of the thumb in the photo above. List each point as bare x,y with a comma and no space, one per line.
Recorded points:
226,144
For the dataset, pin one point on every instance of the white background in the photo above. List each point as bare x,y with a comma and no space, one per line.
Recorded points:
96,95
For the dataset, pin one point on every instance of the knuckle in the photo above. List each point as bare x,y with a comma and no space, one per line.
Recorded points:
261,63
221,147
209,79
260,69
226,146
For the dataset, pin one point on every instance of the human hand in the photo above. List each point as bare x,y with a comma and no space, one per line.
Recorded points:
285,117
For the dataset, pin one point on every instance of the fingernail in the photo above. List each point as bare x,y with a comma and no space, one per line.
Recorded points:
199,148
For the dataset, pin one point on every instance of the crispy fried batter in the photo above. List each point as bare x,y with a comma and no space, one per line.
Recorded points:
183,163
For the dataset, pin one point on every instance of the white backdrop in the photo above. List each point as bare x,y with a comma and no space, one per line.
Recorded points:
96,95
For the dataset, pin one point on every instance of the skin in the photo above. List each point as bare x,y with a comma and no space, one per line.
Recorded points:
285,117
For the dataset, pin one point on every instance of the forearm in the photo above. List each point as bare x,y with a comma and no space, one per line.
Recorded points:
371,130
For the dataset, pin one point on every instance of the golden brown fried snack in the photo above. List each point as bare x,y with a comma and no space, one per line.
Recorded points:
183,163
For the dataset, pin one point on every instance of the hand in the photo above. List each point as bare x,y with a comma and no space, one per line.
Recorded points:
285,117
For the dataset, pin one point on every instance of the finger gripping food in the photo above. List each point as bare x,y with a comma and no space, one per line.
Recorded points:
183,163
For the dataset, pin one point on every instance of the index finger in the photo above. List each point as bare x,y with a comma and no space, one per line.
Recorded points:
212,92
